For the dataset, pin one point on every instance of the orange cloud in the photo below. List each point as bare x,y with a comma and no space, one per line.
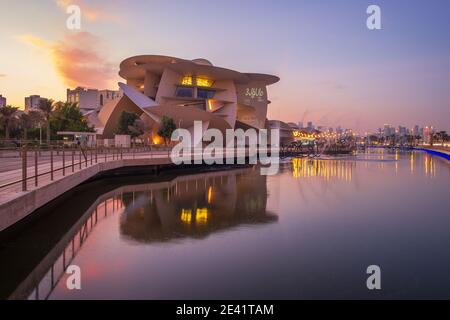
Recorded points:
90,12
76,60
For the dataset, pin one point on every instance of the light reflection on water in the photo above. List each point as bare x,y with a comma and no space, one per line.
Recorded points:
308,232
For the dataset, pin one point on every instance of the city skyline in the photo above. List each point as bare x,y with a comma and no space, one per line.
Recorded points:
333,70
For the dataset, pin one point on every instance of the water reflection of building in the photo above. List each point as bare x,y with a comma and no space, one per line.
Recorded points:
429,166
197,207
188,206
326,169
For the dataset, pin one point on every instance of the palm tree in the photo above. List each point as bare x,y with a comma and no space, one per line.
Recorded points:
46,107
28,121
8,118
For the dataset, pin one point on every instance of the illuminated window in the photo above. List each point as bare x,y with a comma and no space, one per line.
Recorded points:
187,81
186,215
202,82
201,216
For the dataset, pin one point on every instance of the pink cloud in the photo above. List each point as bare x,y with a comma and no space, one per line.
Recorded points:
77,60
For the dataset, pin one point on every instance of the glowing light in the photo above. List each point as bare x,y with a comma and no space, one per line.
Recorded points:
307,168
201,216
156,139
187,81
210,194
202,82
186,216
210,107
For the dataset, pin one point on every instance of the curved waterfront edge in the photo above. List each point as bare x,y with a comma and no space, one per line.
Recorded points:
435,153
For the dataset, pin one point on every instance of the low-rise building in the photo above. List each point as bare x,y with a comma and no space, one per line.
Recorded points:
32,102
2,101
91,99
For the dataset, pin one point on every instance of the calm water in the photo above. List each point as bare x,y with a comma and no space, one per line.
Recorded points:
309,232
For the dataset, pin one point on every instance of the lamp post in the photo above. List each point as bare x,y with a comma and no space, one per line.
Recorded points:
40,133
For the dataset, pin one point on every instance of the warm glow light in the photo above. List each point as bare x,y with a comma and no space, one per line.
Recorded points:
307,168
209,194
201,216
186,216
187,81
202,82
305,136
156,139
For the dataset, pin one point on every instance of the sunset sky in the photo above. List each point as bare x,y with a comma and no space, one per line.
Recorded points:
333,70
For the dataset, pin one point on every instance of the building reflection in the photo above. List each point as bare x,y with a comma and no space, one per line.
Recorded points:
188,206
429,166
196,207
326,169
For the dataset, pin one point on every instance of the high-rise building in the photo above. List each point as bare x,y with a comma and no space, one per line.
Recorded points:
2,101
388,130
402,131
32,102
415,130
428,134
300,125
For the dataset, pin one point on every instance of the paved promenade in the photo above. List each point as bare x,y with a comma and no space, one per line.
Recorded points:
15,203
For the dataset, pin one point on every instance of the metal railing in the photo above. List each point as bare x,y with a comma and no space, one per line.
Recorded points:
52,161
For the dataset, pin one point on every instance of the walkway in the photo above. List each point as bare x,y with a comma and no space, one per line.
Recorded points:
49,175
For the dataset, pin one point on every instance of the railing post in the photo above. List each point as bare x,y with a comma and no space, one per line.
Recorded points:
96,153
79,158
63,162
36,167
73,158
91,156
24,168
51,163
